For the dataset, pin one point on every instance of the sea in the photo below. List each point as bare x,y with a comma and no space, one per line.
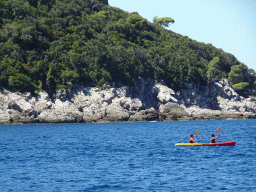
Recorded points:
139,156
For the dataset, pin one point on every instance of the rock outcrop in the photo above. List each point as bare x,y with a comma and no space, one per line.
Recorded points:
147,100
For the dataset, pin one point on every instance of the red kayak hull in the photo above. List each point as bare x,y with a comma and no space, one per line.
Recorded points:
231,143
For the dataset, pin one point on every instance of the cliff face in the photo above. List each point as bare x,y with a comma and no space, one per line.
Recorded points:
145,101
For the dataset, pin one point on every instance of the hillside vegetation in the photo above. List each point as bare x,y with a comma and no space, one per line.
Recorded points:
50,44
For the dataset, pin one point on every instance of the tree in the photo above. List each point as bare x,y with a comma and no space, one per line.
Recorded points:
134,18
236,74
163,21
212,68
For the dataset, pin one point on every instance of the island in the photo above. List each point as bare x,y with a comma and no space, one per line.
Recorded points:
86,61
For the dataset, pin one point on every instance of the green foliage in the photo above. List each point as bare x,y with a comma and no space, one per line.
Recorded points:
253,93
49,44
213,62
236,74
69,76
240,86
214,71
54,75
134,18
62,87
21,82
163,21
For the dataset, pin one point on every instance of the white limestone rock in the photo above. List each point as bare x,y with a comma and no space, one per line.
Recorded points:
115,111
43,95
164,93
21,101
122,91
4,116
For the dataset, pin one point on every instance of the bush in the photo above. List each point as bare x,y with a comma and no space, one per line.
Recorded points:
240,86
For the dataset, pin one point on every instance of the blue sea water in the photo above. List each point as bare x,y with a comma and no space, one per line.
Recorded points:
127,157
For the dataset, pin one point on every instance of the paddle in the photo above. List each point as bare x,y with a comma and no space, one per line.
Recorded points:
218,134
197,133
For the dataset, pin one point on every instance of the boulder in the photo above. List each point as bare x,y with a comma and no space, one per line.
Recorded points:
95,111
42,105
124,102
138,117
173,108
13,105
114,112
27,120
164,93
185,118
61,94
33,113
108,95
61,112
128,103
226,89
64,106
14,115
43,95
49,116
122,91
147,114
152,114
83,99
218,86
19,101
105,86
4,116
135,105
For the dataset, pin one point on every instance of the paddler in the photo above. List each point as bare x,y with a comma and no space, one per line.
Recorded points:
213,138
192,139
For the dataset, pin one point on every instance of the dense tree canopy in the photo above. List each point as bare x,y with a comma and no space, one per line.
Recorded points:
50,44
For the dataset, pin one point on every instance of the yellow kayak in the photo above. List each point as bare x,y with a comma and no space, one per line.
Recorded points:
189,144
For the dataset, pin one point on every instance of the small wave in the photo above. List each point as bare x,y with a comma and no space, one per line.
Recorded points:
43,137
103,187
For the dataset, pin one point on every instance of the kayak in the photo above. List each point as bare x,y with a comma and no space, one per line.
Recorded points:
189,144
231,143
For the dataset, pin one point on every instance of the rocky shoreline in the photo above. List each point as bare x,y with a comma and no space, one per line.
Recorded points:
147,100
